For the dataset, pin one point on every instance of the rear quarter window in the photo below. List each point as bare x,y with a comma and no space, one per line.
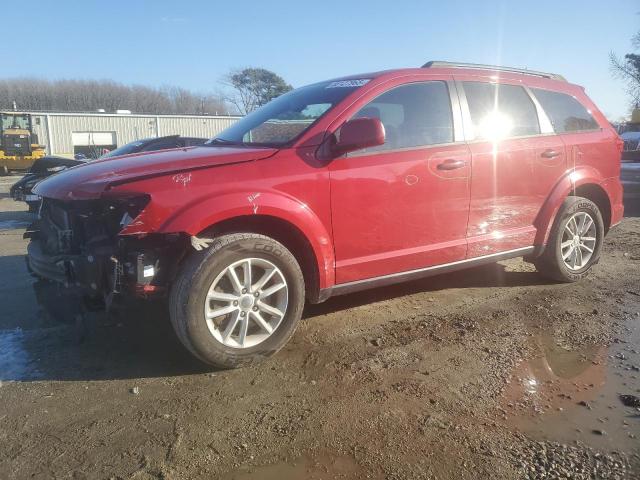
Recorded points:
565,112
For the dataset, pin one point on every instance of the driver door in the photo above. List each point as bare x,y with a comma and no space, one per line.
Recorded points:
403,205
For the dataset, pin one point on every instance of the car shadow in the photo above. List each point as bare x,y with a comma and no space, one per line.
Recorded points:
139,342
486,276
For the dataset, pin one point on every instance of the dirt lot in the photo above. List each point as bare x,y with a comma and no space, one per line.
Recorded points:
492,372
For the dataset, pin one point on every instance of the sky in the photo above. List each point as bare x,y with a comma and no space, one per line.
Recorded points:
193,44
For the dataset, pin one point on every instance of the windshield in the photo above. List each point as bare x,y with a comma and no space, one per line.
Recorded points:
124,150
288,116
15,121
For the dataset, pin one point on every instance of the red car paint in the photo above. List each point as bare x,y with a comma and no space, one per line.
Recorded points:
369,215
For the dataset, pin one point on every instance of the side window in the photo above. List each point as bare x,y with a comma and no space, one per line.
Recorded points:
500,110
565,112
413,115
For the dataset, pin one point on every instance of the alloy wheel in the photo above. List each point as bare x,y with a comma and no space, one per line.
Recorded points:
246,303
578,242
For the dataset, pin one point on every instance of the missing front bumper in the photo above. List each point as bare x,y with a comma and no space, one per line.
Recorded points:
135,272
85,272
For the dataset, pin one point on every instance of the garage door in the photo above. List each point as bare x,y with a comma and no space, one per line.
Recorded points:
93,144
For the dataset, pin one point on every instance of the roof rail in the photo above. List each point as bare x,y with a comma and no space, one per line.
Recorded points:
435,63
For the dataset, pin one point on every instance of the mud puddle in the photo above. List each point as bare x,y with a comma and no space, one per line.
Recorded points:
573,394
305,468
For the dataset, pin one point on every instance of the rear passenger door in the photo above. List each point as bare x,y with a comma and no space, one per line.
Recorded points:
403,205
516,161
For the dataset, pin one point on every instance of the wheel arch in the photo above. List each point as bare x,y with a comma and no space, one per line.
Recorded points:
597,195
282,231
582,182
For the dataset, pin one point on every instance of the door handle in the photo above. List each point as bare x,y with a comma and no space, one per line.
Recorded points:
550,154
451,164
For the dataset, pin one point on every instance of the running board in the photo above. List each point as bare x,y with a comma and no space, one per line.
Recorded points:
350,287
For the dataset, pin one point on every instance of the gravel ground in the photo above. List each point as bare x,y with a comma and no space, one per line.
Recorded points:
493,372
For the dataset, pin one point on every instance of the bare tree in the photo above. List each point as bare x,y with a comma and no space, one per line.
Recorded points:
627,69
91,95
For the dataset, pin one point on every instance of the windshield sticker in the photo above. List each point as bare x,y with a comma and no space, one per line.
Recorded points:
348,83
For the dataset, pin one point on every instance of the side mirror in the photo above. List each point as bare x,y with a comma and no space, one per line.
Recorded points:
359,133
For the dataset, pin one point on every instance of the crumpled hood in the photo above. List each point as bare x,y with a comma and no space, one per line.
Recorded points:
90,180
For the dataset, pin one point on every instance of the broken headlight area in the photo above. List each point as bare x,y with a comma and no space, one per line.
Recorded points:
77,226
78,244
124,208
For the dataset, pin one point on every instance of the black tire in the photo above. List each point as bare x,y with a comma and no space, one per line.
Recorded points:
197,273
33,207
551,264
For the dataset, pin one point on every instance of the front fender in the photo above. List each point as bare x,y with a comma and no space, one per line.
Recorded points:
571,180
197,216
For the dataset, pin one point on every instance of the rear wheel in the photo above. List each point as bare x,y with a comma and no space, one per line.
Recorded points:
238,301
575,241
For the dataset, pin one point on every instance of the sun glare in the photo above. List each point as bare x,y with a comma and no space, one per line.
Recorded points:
495,126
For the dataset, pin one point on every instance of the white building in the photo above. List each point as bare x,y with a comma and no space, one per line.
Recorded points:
65,134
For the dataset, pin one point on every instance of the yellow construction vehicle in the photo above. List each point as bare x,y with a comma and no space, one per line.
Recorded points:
19,146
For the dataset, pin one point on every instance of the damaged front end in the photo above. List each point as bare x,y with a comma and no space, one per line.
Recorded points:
79,244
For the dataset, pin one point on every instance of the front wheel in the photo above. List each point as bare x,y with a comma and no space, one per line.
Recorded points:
237,301
575,241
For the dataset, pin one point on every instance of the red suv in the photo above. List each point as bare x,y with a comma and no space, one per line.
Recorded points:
335,187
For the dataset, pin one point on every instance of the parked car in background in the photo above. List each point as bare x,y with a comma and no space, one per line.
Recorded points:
336,187
630,178
50,165
631,138
630,134
630,167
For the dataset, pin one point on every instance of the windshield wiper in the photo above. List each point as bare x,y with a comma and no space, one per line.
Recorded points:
223,141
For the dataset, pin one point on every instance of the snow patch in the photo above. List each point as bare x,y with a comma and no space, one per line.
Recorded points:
15,361
12,224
